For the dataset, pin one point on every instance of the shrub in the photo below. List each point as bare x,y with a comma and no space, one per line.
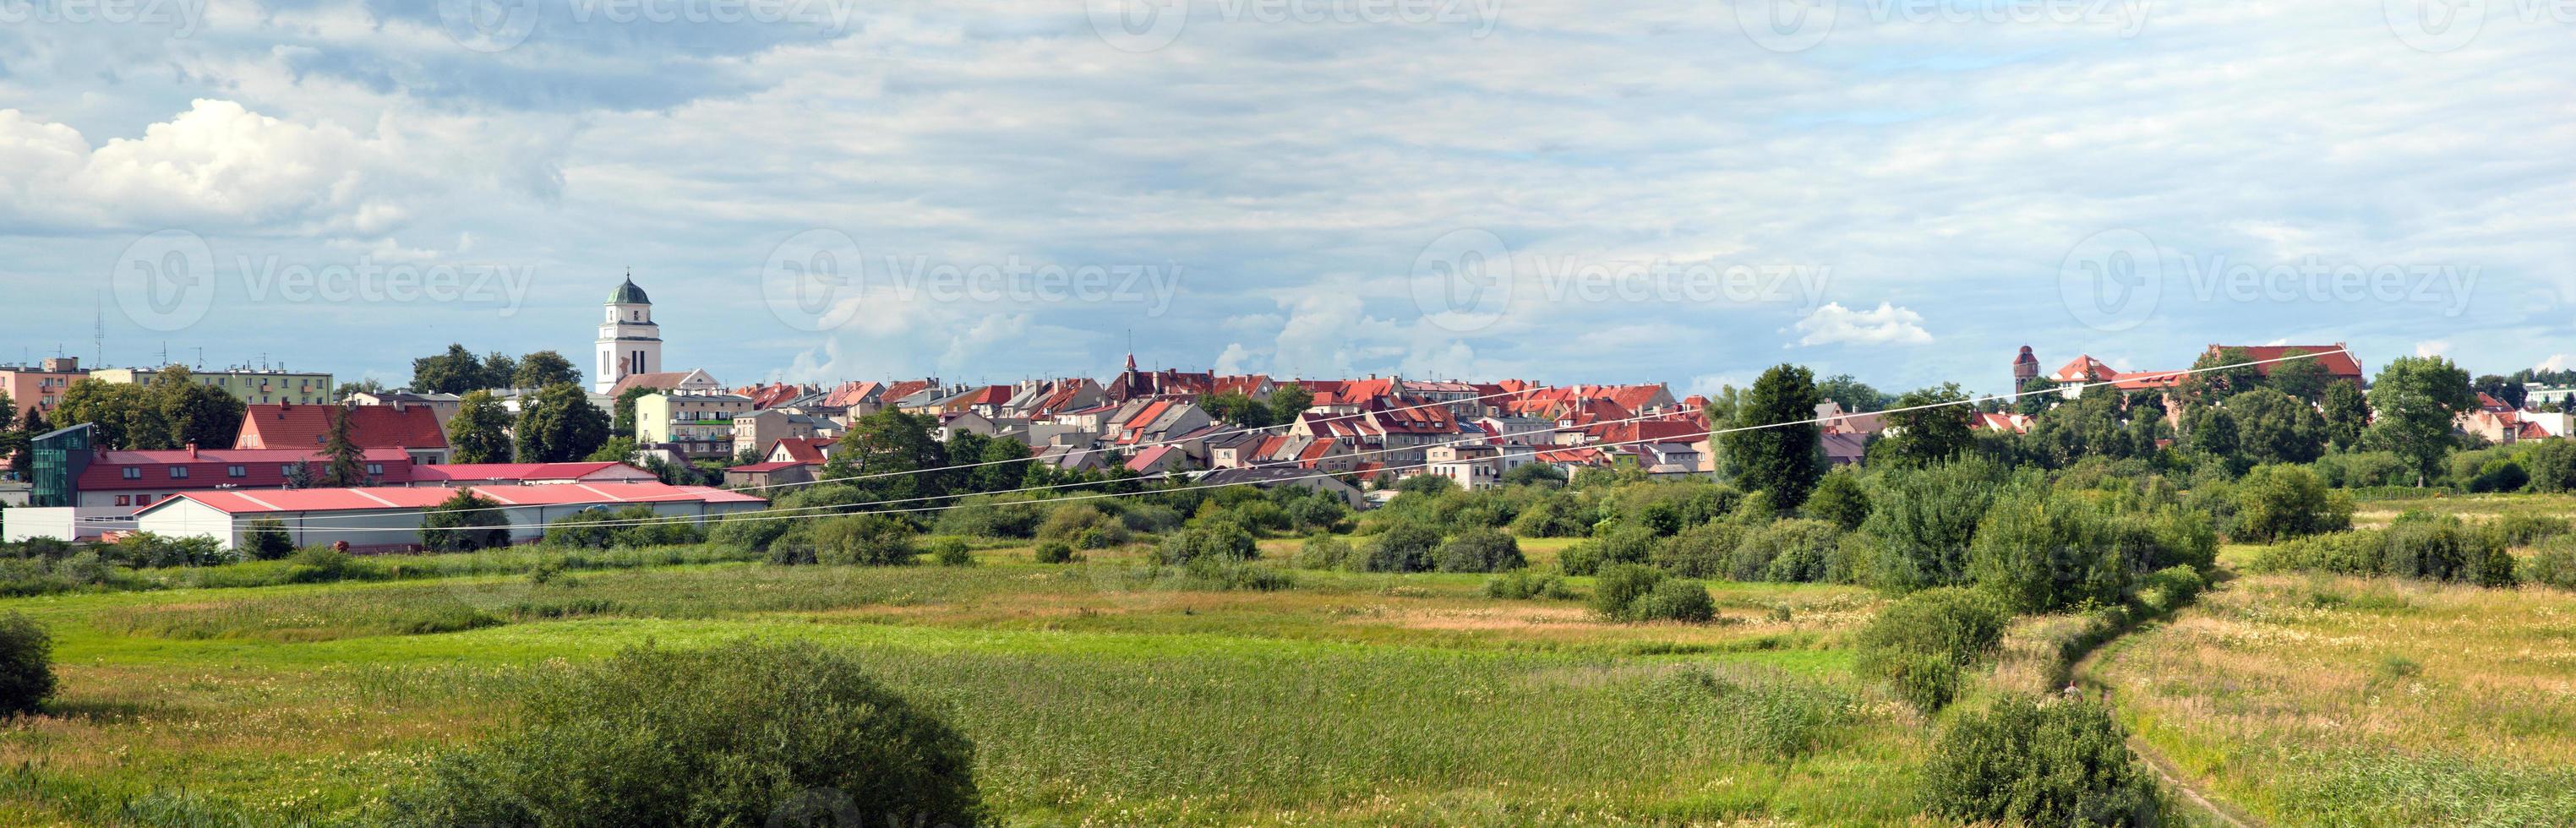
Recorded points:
2169,589
1952,625
1084,526
1763,713
1626,545
266,540
1524,585
464,522
1926,519
2277,502
2025,762
1674,599
2554,565
1700,551
2521,529
2042,552
1324,552
1839,500
319,564
1214,540
1054,552
1621,585
863,540
951,552
2553,466
26,665
1404,547
1481,550
736,735
1789,551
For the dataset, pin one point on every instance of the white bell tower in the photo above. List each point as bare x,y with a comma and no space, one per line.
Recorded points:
629,342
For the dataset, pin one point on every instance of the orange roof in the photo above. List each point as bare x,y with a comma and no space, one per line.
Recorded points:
289,426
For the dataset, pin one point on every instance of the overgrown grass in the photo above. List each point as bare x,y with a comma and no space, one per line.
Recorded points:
2314,700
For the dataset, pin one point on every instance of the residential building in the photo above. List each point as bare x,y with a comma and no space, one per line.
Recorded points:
442,406
1270,477
39,388
389,518
771,474
252,386
413,429
763,427
693,381
630,342
700,426
2338,360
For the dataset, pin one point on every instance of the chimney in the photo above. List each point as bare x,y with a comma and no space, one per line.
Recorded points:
192,451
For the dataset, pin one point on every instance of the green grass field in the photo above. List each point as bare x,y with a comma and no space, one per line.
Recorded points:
1096,693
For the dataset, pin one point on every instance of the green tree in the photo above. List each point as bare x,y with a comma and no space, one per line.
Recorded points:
885,448
2417,400
1234,408
2218,375
543,369
2026,762
1925,519
2304,379
454,371
195,413
13,438
1289,401
619,449
623,424
559,426
2505,390
1787,458
1924,436
2346,413
2212,431
345,463
1853,394
26,665
2273,426
479,433
464,522
266,540
1839,500
119,415
343,391
1002,469
499,371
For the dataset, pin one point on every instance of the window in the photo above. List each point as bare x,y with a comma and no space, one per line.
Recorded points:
375,468
286,470
123,500
178,472
133,473
236,471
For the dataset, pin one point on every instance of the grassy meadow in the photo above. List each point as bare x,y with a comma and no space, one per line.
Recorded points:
2307,699
1098,693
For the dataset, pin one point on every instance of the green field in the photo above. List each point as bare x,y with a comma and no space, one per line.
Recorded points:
1096,692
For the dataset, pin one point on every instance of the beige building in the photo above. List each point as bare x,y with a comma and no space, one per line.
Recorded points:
252,386
700,425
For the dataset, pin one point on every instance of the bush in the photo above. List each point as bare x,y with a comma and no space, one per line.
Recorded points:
2042,552
2169,589
26,665
1699,552
1952,625
1404,547
1525,585
2025,762
1054,552
464,522
1216,540
1084,526
1325,552
1579,560
863,540
319,564
1789,551
2278,502
2553,466
742,734
951,552
2520,529
2554,565
266,540
1674,599
1481,550
1925,520
1839,500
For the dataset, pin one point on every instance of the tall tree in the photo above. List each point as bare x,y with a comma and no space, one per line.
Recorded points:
464,522
1925,436
1787,457
2220,374
346,463
196,413
1289,401
1851,393
2036,396
560,426
118,414
2346,412
542,369
28,430
2274,427
2302,378
13,439
1233,408
343,391
884,447
499,371
622,424
453,371
1001,469
2507,391
2417,399
479,433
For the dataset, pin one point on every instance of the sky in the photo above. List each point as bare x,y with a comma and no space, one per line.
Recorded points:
1616,191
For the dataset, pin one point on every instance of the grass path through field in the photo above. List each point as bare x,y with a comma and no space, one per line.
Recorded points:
2170,774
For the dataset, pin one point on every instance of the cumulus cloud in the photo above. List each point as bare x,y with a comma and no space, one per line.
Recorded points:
1833,324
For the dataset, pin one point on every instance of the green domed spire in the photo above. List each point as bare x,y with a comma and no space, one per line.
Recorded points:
629,294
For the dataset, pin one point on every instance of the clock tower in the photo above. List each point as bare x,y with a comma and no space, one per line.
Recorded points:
629,342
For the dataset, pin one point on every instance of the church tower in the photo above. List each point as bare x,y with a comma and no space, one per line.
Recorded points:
629,342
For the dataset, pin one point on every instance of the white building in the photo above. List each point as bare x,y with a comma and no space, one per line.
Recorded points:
388,518
629,341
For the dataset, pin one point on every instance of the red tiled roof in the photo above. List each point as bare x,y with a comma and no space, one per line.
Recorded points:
2338,365
1152,458
803,449
850,394
211,468
236,501
371,426
453,472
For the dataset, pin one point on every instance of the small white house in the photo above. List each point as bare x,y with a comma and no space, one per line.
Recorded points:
389,518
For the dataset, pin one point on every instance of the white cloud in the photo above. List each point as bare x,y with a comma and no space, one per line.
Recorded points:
1834,324
2432,347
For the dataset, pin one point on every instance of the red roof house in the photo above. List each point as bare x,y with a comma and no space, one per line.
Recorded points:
413,429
